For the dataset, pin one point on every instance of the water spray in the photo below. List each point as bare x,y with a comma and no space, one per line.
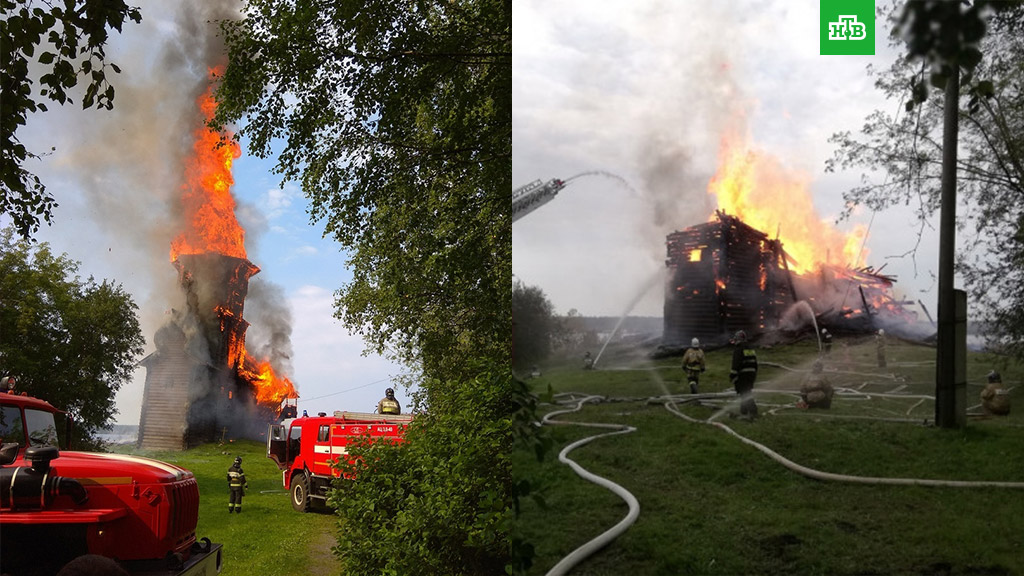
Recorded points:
529,197
632,303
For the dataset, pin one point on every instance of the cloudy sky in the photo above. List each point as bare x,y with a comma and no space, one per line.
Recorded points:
117,176
641,93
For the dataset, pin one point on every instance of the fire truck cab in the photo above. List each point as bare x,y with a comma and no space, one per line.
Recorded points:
56,506
304,448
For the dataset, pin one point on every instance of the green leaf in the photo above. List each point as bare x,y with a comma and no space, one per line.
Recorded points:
970,57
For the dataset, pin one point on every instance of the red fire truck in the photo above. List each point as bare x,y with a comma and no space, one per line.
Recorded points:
56,506
304,448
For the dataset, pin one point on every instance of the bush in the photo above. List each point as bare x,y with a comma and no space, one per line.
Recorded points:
437,503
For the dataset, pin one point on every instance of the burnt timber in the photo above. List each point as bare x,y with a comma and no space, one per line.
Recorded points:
723,276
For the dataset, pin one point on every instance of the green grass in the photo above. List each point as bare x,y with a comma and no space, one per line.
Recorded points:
712,505
269,537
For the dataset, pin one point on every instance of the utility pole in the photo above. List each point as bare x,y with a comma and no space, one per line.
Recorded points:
951,361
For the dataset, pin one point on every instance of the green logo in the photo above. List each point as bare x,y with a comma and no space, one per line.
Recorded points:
847,27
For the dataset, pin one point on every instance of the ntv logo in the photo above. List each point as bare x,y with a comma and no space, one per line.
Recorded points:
847,28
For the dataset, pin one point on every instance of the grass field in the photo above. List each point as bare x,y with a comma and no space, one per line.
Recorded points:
268,538
713,505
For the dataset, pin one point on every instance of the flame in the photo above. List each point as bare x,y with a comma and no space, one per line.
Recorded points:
269,388
755,187
207,203
212,227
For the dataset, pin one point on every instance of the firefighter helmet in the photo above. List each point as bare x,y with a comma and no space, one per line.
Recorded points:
389,392
741,336
695,343
993,377
238,460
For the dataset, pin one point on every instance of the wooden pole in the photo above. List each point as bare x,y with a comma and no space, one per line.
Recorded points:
946,375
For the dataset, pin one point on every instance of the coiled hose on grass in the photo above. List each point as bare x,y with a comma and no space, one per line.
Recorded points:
579,554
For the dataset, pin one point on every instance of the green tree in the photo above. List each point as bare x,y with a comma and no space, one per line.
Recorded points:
906,150
533,326
69,341
396,117
76,33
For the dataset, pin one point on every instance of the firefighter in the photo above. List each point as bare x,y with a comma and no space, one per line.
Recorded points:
388,404
880,343
693,364
816,391
826,340
743,374
236,485
588,361
995,400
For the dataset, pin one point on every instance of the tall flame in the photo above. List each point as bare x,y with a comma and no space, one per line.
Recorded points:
207,203
212,227
756,188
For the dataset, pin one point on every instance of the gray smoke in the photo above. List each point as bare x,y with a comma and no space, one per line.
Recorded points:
130,169
270,333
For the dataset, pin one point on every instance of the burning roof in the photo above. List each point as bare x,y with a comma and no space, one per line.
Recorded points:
725,276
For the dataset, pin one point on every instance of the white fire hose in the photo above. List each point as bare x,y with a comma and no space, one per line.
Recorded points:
820,475
578,555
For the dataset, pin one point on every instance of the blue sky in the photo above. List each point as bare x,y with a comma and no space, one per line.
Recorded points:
116,175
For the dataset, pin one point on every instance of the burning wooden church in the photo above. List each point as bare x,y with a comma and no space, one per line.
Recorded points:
725,275
196,387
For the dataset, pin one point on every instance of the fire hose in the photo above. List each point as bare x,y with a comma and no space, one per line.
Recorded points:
578,555
591,547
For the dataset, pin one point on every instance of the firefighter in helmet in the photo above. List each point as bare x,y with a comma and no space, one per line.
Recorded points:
995,400
743,374
880,345
816,391
237,485
388,404
693,364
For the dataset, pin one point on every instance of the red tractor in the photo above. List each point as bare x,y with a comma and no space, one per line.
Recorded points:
56,506
304,448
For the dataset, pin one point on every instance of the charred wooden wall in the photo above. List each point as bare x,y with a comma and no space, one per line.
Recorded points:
192,385
723,276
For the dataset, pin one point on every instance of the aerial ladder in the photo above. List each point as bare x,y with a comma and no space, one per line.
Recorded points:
528,198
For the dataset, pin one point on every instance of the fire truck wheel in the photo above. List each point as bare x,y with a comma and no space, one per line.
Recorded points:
300,493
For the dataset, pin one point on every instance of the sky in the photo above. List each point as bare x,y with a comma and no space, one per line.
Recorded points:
638,97
117,175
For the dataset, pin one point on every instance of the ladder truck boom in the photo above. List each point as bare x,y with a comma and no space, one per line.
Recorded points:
528,198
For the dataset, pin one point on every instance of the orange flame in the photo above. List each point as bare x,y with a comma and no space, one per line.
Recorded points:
270,389
756,188
207,203
211,227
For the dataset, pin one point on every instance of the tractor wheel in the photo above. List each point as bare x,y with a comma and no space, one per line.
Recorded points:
300,493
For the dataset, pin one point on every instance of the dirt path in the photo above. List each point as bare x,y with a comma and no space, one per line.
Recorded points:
321,560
